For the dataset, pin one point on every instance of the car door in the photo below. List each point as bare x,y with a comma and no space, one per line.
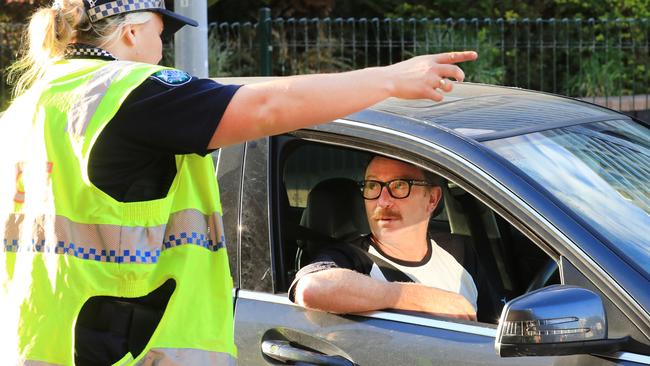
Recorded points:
269,329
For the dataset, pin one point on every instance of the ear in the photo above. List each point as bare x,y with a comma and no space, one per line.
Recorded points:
129,35
434,198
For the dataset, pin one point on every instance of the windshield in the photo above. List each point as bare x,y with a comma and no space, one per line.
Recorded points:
599,170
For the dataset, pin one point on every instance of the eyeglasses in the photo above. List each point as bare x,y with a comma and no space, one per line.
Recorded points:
397,188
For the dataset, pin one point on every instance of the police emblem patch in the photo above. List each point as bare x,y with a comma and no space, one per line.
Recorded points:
172,77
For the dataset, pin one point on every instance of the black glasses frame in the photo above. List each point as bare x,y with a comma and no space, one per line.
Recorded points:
409,182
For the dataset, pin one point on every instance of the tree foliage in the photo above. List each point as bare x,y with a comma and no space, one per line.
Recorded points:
228,10
19,10
247,10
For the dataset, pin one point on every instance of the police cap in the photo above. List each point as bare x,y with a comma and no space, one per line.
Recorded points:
101,9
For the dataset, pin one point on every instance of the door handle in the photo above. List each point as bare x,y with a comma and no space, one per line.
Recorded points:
283,351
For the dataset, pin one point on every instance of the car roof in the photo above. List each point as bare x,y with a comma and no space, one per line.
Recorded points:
480,112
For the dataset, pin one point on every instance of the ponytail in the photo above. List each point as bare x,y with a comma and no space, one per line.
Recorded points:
52,29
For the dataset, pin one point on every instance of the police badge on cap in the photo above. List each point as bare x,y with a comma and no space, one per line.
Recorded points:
101,9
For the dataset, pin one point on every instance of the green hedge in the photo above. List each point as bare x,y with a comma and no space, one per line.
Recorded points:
581,58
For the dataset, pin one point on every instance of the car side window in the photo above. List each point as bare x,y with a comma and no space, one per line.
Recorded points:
322,203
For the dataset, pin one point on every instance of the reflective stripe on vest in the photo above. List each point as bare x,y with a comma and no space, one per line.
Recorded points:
84,108
111,243
65,241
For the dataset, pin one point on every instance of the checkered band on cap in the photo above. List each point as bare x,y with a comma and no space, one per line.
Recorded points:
117,7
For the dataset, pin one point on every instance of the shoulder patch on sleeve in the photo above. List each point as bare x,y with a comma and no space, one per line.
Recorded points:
171,77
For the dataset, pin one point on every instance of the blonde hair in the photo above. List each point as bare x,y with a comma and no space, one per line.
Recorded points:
52,29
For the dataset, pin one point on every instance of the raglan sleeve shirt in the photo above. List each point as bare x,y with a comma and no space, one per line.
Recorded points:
343,255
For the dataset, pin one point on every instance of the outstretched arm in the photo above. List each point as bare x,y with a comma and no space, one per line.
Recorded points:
289,103
339,290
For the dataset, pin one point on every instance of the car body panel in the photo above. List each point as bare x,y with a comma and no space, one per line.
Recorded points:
380,338
365,340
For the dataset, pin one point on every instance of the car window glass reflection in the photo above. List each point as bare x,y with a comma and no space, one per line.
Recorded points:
607,163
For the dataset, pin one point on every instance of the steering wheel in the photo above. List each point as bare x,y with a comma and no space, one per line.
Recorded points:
543,275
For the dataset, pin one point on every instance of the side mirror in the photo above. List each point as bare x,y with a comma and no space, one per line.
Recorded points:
552,321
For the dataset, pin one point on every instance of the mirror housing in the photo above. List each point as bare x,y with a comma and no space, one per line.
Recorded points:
552,321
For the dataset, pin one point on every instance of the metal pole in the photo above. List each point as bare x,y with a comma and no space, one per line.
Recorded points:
191,43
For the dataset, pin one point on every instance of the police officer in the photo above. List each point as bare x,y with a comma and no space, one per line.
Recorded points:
110,213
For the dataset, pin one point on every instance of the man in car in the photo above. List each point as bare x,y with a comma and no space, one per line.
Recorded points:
398,265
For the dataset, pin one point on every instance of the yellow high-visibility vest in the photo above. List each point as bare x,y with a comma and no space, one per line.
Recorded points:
66,241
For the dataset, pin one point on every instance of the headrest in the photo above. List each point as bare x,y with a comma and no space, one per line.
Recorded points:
335,208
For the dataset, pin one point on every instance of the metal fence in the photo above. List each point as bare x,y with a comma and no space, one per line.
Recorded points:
606,61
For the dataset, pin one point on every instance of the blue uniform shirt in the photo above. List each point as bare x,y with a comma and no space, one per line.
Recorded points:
133,158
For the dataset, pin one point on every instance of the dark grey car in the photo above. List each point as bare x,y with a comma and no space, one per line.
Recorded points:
553,193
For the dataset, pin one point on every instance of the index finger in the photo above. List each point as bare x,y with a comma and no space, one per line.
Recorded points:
455,57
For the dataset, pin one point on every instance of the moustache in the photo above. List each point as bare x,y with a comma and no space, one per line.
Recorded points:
385,213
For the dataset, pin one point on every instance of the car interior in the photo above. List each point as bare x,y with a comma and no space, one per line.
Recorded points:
320,204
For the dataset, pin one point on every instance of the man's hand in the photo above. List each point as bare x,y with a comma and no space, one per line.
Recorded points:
449,304
427,76
417,297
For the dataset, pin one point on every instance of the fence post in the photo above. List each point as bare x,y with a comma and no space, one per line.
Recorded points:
264,40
